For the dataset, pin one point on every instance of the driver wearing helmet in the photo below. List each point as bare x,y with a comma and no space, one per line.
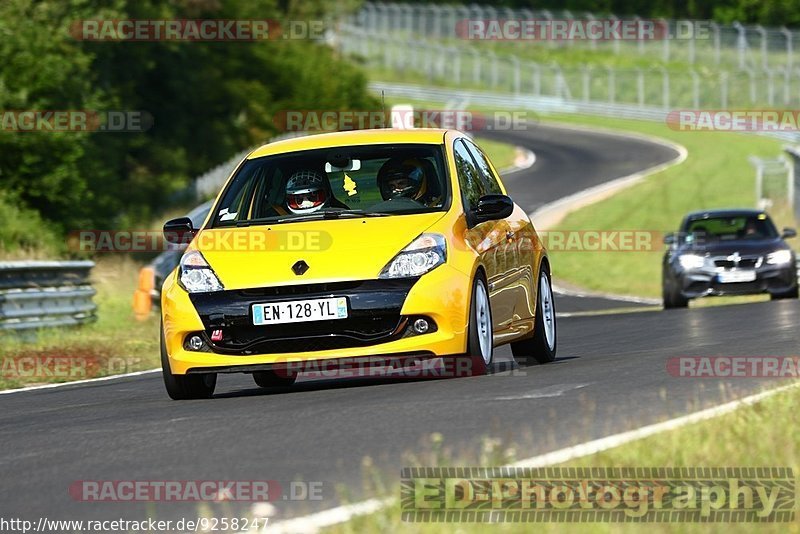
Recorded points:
403,179
307,191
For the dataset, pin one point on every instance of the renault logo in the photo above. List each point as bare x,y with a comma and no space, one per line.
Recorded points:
300,267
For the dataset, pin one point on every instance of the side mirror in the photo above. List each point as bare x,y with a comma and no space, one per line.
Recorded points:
789,232
493,207
179,231
669,239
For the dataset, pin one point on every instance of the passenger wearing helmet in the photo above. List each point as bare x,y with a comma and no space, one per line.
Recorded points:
308,191
403,179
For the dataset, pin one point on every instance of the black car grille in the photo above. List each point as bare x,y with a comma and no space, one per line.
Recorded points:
750,262
305,337
374,317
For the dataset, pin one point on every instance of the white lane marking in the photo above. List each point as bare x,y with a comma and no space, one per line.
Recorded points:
78,382
525,159
584,293
314,522
545,393
326,518
609,442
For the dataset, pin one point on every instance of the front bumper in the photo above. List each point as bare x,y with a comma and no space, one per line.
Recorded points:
769,279
378,323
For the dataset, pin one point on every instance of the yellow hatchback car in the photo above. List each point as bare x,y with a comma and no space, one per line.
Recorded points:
392,244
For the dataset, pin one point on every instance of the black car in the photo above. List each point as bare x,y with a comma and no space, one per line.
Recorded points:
166,262
728,252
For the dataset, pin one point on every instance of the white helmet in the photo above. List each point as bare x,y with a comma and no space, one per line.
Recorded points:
306,192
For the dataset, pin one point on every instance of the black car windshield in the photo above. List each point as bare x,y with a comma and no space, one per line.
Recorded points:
339,182
740,227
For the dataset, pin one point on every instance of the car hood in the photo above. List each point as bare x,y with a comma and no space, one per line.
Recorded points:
743,247
334,249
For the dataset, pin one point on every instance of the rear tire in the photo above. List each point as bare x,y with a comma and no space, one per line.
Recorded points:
271,379
185,387
541,347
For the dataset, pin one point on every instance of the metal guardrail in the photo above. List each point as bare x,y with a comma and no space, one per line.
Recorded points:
42,294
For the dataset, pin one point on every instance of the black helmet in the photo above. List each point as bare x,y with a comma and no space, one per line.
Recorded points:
402,177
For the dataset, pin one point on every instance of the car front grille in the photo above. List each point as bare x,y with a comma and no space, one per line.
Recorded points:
374,317
748,262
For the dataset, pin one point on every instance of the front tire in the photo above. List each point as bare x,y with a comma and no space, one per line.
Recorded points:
185,387
793,294
541,348
672,296
480,343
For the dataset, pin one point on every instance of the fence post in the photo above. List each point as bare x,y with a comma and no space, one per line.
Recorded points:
537,78
789,48
717,42
586,81
592,42
741,43
665,88
514,61
723,82
612,85
763,33
640,87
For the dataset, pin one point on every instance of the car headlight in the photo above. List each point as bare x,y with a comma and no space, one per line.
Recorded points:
424,254
779,257
691,261
196,275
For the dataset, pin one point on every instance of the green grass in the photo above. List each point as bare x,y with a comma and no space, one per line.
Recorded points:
116,343
502,155
759,435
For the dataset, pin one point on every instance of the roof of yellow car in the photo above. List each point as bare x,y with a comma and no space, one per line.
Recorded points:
351,138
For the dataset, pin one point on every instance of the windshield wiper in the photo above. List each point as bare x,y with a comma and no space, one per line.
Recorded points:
263,220
338,214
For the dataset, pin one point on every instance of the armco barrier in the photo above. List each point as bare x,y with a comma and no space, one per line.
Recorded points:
40,294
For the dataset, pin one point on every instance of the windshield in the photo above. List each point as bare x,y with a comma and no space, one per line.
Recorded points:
352,181
731,228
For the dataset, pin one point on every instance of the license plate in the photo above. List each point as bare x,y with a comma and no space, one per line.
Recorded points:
737,276
300,311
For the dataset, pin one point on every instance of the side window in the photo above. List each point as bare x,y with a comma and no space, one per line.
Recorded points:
491,185
469,180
